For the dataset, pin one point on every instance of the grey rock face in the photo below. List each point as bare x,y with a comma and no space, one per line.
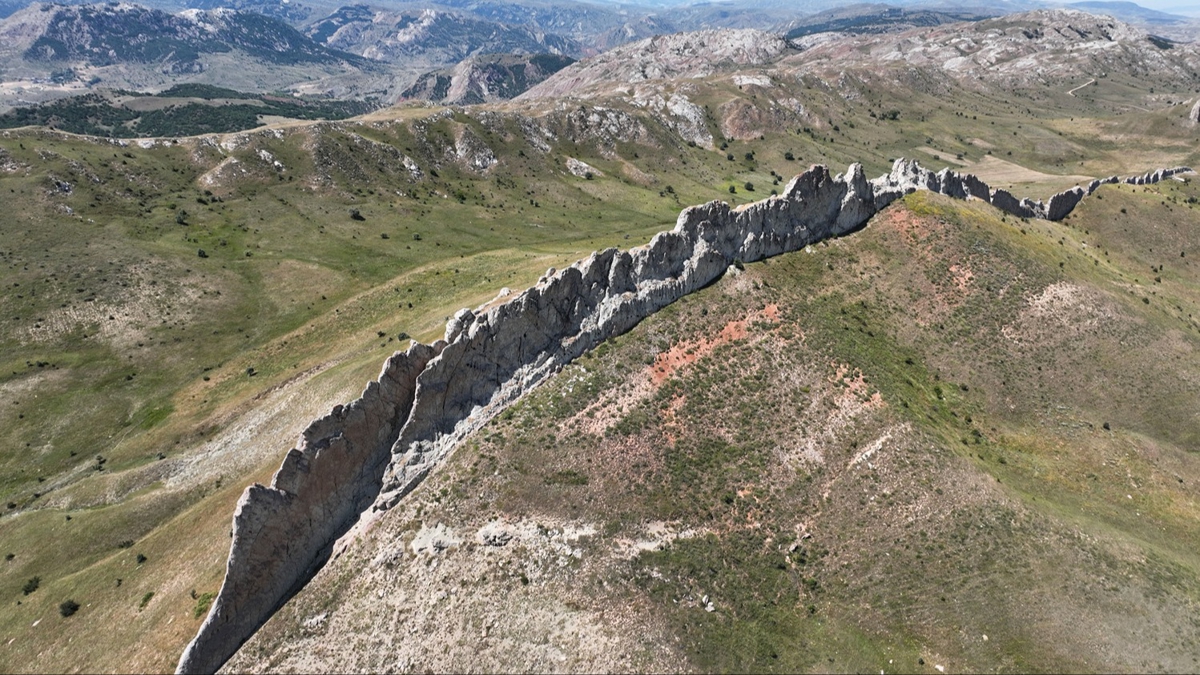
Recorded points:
280,532
373,452
1194,115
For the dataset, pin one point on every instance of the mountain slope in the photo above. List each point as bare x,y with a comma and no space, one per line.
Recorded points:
876,19
211,366
1046,47
130,47
488,78
428,37
101,35
878,453
678,56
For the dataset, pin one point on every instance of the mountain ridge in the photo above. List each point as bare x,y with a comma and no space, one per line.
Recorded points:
428,399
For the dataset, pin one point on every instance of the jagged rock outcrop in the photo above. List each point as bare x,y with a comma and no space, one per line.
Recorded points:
1155,176
1194,115
380,447
282,533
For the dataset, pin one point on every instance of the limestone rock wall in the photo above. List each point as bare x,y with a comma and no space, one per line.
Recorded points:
374,451
281,533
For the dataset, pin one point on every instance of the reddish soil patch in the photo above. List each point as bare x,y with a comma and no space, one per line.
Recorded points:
904,221
685,353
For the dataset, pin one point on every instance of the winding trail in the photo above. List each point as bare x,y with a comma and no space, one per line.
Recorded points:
1085,84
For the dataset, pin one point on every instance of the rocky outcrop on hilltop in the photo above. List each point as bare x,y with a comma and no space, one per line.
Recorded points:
682,55
377,449
1040,47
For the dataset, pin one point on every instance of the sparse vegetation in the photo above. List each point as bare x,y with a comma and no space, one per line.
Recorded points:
123,288
203,602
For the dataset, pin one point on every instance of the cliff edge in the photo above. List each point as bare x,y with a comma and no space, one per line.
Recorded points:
372,452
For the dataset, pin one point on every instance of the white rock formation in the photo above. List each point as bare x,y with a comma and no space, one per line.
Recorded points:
373,452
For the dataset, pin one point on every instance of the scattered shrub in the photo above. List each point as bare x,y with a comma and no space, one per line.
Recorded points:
203,602
68,608
31,585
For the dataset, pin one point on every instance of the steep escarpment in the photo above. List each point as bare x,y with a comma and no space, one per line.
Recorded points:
283,532
429,398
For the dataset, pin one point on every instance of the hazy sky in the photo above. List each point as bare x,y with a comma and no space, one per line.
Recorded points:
1171,6
1184,7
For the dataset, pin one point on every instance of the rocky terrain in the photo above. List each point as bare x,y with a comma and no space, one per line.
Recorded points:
429,38
680,56
957,421
429,399
1043,47
485,79
49,51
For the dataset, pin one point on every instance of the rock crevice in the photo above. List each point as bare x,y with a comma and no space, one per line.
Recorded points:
372,452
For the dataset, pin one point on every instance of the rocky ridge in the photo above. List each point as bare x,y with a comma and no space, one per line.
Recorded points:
1044,46
378,448
682,55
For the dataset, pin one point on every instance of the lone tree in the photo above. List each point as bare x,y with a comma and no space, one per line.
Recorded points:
68,608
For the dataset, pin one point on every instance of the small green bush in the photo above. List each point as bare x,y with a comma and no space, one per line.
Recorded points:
203,602
68,608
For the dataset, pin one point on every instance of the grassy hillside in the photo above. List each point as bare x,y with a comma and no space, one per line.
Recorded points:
953,439
175,312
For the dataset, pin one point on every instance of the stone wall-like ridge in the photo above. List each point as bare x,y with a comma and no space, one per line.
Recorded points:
372,452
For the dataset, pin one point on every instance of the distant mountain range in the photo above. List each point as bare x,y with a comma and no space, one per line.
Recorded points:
1129,11
429,37
449,51
879,19
102,35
